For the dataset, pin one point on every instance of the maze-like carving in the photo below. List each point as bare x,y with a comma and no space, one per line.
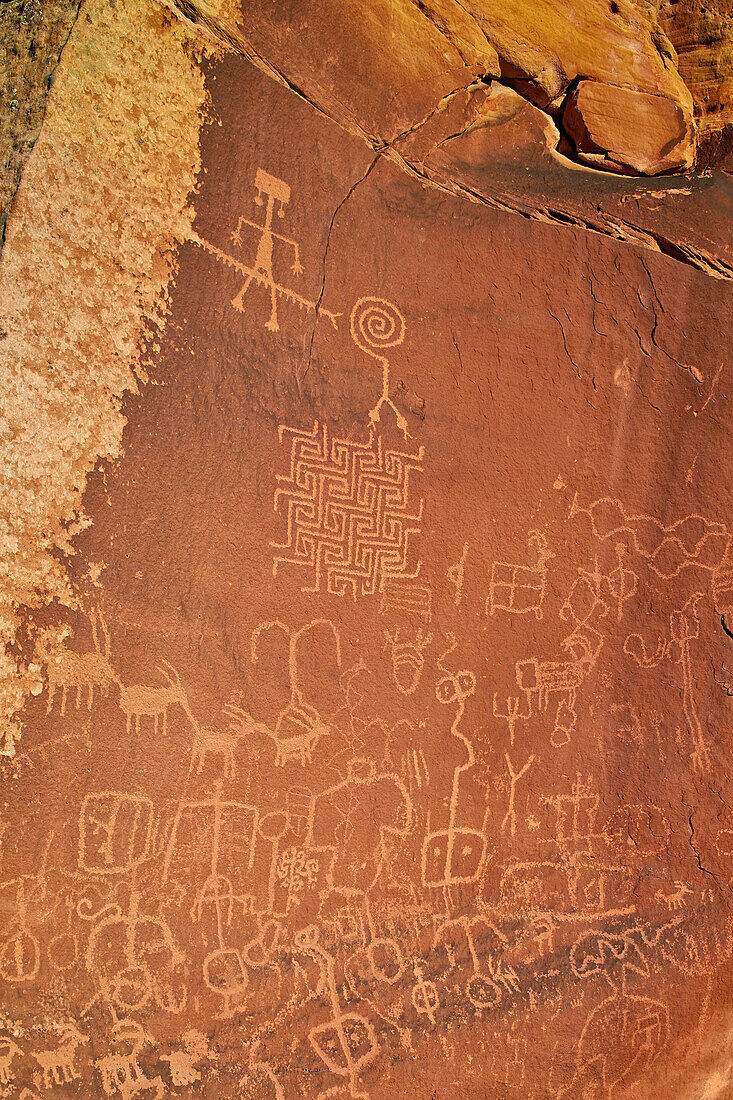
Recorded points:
349,511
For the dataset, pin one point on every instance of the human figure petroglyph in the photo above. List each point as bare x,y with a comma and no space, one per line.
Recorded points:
57,1064
350,515
424,995
510,818
67,670
456,854
408,660
491,977
133,956
20,953
512,712
354,818
576,814
138,701
376,325
231,829
226,975
622,583
520,589
684,629
277,195
347,1042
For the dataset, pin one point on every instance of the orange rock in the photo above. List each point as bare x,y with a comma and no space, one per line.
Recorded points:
625,130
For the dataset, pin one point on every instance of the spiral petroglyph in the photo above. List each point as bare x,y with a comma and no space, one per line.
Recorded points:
376,324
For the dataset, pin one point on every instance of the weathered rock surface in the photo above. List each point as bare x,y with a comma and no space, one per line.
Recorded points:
366,553
627,130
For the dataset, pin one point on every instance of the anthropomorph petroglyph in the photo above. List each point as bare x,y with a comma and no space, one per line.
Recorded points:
456,854
299,725
408,659
376,326
274,195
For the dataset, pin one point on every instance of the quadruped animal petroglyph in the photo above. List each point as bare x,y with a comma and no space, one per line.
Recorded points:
372,809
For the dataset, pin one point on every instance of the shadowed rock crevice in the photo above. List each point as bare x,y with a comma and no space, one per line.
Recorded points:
32,38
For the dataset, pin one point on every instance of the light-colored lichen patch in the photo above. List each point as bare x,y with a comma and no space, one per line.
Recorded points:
90,250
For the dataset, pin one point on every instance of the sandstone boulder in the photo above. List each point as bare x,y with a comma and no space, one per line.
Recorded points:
625,130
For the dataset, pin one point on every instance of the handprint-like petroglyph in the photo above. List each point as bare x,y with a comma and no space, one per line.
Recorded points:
349,510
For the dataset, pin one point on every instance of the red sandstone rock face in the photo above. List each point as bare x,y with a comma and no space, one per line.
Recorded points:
376,711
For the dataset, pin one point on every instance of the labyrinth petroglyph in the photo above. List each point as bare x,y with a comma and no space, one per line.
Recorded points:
378,741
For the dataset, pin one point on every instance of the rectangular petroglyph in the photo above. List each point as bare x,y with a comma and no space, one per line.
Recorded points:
350,509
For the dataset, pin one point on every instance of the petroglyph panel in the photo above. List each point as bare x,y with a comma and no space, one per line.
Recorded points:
379,747
350,512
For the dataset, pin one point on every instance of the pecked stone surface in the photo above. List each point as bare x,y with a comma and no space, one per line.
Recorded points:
367,571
